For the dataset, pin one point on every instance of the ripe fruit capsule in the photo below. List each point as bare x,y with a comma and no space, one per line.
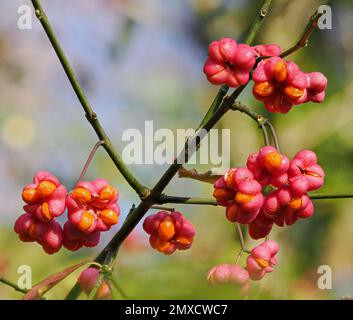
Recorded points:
86,221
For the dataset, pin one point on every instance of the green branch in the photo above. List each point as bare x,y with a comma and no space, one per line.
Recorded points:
12,285
321,196
251,35
257,22
90,114
261,121
213,202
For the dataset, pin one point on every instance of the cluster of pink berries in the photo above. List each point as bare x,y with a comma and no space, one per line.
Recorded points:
91,207
278,84
260,261
169,232
240,190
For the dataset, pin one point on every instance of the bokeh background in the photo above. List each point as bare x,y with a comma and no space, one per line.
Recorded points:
142,60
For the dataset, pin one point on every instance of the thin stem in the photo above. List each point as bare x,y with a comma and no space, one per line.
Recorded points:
89,160
119,289
265,134
12,285
163,208
304,39
97,285
274,135
261,121
239,256
16,287
257,22
90,115
187,200
213,202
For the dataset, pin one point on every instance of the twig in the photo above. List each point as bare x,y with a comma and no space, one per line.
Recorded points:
16,287
318,196
187,200
260,119
213,202
90,115
119,289
97,285
250,38
265,134
304,40
239,256
257,22
89,159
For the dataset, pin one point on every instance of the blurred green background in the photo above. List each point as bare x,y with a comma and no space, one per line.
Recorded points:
142,60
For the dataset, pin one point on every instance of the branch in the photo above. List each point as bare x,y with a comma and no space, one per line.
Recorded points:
251,35
241,238
16,287
320,196
208,177
12,285
97,285
212,202
274,134
187,200
90,115
304,40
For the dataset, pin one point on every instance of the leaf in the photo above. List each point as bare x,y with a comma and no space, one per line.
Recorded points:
209,176
44,286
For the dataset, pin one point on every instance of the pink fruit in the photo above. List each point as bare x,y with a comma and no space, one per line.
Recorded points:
284,207
230,273
229,63
304,173
240,193
269,167
169,232
262,260
92,206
